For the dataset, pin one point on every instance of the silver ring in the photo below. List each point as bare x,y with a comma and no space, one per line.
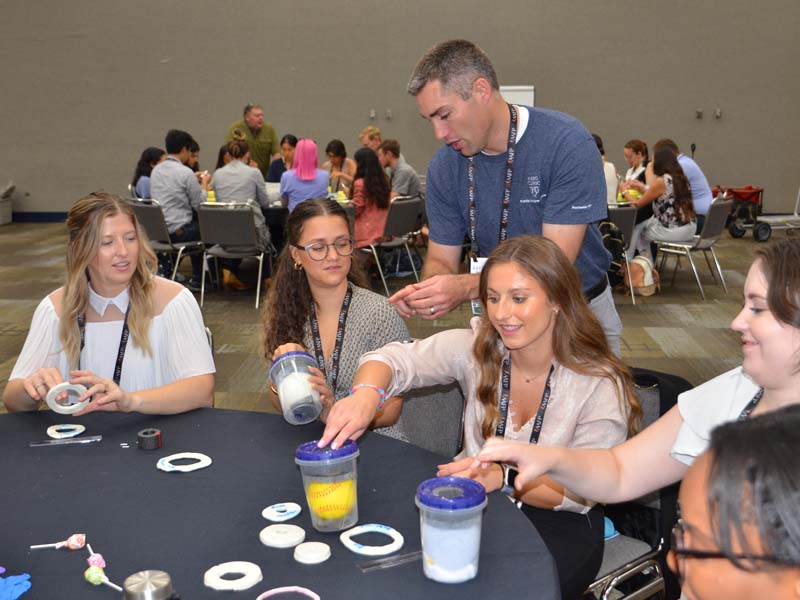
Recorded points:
433,309
38,385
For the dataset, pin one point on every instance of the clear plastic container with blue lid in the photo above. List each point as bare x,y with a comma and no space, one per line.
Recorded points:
289,374
450,519
330,484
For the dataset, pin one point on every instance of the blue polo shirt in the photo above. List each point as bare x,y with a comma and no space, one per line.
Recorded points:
558,179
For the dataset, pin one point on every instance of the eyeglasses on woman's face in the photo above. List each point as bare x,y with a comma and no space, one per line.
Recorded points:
319,250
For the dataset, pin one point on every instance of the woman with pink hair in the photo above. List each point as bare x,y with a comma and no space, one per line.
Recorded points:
304,180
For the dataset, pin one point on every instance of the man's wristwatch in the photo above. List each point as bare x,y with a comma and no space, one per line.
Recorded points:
509,476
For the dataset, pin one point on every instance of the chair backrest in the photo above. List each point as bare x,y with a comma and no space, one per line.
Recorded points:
716,220
624,217
350,210
227,224
151,218
433,419
403,216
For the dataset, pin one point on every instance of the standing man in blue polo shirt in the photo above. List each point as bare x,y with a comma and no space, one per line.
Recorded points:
505,171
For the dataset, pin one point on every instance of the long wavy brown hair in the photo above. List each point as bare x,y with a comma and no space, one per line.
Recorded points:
666,163
84,221
286,309
579,342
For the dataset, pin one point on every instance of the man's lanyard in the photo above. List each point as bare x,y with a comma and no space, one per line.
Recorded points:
504,401
337,347
751,406
473,210
123,342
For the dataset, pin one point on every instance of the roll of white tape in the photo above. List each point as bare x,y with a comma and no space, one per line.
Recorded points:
66,409
283,511
59,432
312,553
393,546
166,463
250,575
282,536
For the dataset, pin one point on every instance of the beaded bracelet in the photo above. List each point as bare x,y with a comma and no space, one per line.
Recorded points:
380,391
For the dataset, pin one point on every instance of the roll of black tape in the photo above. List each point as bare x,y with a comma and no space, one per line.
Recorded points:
149,439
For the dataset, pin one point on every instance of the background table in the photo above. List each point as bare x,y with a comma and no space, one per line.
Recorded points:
141,518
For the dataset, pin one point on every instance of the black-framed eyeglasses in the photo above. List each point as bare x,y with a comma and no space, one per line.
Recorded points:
681,552
319,250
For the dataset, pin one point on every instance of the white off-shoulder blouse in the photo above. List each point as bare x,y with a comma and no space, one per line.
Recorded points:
177,338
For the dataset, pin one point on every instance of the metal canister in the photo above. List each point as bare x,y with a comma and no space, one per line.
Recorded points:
148,585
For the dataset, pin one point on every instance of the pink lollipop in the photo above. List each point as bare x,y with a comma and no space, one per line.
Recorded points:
74,542
95,559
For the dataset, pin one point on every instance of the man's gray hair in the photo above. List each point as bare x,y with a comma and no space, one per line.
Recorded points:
456,64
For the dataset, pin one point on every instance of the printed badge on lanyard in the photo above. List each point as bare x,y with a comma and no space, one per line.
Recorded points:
476,262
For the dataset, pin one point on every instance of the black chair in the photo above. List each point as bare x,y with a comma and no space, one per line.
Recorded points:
634,562
624,217
713,227
227,230
401,223
151,217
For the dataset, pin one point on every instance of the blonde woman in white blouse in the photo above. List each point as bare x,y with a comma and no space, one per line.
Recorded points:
536,369
769,379
162,365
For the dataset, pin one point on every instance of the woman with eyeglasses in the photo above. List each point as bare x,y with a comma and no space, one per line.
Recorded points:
318,302
739,533
769,379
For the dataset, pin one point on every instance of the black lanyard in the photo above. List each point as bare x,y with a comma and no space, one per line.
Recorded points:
504,401
473,210
751,406
123,342
337,347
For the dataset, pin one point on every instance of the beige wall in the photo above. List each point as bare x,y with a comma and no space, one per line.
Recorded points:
88,84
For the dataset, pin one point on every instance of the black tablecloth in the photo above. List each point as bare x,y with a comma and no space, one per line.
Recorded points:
141,518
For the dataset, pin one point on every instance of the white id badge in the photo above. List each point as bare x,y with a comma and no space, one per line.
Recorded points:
475,267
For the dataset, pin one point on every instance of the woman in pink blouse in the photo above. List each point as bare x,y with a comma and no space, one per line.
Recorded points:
370,195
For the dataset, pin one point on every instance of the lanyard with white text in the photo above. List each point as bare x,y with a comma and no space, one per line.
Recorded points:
337,347
473,210
751,406
504,401
123,342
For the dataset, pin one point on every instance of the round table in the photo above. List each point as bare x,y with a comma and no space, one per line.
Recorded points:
141,518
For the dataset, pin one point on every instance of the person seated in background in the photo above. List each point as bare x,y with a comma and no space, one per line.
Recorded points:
223,157
319,302
738,537
370,137
176,188
304,180
670,196
637,157
284,162
536,368
141,176
239,182
404,179
134,340
767,380
370,196
341,169
701,191
610,172
260,136
193,162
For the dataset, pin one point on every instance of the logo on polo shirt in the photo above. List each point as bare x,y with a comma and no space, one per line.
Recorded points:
535,186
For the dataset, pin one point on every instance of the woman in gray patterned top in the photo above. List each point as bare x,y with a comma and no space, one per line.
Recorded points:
318,303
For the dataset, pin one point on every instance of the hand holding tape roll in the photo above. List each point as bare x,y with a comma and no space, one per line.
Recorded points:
70,407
